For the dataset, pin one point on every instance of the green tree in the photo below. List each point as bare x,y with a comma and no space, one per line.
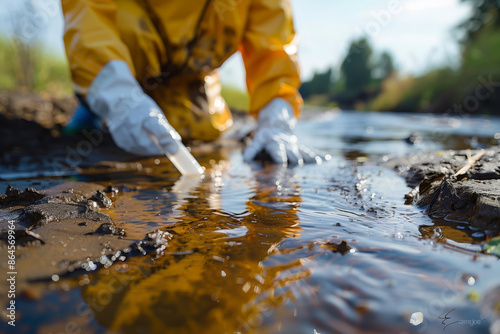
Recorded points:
320,83
485,14
384,67
357,67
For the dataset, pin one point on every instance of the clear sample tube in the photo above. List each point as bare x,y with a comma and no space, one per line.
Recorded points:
184,161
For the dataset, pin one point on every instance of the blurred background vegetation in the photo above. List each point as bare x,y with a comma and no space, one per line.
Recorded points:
368,80
30,67
27,64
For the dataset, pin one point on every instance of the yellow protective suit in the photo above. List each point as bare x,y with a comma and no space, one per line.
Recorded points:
174,47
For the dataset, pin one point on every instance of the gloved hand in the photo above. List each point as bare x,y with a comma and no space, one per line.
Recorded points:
134,120
274,135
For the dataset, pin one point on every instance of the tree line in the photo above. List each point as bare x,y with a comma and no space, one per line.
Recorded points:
369,81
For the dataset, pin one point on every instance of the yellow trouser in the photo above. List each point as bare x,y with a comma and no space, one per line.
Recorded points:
192,103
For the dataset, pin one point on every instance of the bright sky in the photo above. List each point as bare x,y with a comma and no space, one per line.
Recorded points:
418,33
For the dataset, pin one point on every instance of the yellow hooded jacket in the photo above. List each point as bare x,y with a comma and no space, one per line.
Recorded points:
168,43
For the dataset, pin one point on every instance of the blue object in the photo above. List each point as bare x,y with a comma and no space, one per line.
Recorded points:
83,119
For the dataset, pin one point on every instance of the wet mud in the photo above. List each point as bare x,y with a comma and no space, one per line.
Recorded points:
454,186
61,231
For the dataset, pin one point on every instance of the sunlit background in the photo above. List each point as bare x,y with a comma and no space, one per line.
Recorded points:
408,44
420,36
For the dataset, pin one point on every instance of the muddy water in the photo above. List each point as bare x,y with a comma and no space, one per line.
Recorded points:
315,249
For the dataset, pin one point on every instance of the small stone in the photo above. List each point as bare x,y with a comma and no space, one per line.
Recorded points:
102,200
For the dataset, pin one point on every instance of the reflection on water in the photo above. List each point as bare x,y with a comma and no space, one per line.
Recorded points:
354,134
247,245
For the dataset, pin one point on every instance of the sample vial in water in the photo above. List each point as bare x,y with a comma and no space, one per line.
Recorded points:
184,161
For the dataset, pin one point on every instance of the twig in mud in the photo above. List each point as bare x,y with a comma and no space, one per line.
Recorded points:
470,163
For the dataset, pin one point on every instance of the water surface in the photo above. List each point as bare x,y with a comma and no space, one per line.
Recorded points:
313,249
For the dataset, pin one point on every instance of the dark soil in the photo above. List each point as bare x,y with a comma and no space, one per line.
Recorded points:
473,197
62,230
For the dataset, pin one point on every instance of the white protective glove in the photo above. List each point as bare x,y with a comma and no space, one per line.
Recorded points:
134,120
274,135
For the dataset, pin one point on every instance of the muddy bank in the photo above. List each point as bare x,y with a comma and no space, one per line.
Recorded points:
49,112
64,230
33,142
461,186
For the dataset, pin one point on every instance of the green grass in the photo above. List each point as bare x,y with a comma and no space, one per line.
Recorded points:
7,75
32,67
